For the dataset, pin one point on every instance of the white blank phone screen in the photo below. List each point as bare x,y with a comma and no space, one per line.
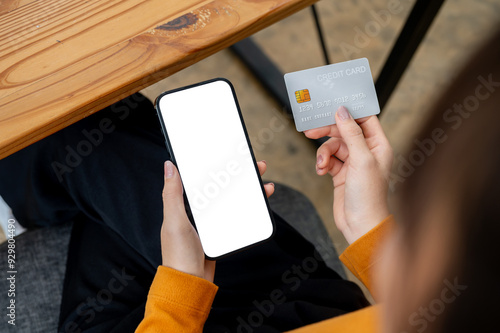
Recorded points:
219,176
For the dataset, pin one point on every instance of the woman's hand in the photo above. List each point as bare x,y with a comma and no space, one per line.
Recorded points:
359,159
180,245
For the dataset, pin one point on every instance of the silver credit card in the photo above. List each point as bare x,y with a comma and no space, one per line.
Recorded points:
315,94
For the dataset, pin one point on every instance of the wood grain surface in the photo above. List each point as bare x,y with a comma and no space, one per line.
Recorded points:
62,60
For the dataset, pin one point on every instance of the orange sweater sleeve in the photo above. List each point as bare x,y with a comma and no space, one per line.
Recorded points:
359,257
177,302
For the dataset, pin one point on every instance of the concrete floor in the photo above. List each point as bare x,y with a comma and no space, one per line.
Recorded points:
292,44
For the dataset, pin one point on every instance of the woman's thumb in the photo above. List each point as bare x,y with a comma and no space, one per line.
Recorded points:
350,132
172,190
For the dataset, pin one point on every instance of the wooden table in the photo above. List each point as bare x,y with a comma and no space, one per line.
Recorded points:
62,60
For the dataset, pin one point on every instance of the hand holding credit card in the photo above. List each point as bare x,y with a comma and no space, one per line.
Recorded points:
315,94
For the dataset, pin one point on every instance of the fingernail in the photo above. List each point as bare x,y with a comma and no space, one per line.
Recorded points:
319,170
320,159
343,113
271,184
169,169
264,162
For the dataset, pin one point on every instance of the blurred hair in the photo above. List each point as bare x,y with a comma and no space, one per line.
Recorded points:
466,169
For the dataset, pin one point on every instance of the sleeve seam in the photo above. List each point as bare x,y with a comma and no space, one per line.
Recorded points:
171,301
353,266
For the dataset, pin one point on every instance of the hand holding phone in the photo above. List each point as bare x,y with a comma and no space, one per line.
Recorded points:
180,245
207,140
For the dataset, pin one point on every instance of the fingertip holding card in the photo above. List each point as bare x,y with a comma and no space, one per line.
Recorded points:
315,94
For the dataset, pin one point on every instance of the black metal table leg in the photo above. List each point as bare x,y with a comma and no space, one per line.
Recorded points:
421,17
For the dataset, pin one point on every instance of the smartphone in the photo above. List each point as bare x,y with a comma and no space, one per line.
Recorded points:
208,142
